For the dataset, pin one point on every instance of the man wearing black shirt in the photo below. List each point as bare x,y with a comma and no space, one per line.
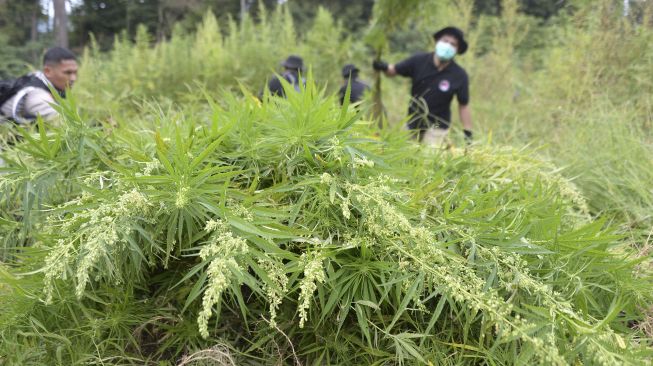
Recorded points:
357,87
293,67
436,78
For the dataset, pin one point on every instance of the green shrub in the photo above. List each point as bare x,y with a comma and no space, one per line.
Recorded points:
283,230
176,217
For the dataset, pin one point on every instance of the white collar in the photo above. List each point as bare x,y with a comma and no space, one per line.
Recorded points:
41,76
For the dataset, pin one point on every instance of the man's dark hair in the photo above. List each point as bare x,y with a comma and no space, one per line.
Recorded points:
55,55
350,71
354,75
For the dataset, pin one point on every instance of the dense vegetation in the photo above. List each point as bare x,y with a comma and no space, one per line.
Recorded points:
172,218
28,29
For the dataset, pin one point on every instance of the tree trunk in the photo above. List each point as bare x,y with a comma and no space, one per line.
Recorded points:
60,23
159,22
378,110
128,17
34,33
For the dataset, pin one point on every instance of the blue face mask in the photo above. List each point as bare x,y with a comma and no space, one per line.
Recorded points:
444,51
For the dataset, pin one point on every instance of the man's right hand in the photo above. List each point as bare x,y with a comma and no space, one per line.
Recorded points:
380,65
468,137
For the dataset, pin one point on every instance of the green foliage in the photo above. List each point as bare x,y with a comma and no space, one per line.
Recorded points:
11,64
282,223
19,60
173,216
18,18
20,41
594,119
207,60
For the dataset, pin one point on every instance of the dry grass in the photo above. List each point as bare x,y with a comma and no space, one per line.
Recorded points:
646,325
217,355
645,250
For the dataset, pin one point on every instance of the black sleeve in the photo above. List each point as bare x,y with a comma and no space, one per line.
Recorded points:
341,94
406,67
275,87
462,94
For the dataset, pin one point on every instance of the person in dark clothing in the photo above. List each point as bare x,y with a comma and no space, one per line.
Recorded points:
358,88
436,78
293,67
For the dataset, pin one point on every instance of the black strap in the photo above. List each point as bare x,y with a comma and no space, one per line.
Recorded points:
24,82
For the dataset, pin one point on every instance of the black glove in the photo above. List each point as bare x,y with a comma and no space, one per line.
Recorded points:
379,65
468,136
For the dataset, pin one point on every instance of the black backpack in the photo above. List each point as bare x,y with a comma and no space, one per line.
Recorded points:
9,88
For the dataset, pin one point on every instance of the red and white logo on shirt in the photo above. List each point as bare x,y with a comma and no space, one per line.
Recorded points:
444,85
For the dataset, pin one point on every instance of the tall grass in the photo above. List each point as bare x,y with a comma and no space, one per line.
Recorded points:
218,57
592,116
175,216
281,229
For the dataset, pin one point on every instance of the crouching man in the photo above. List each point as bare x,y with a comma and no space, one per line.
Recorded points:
24,99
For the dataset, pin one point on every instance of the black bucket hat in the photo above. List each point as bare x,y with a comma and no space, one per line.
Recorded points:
293,62
456,32
350,69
